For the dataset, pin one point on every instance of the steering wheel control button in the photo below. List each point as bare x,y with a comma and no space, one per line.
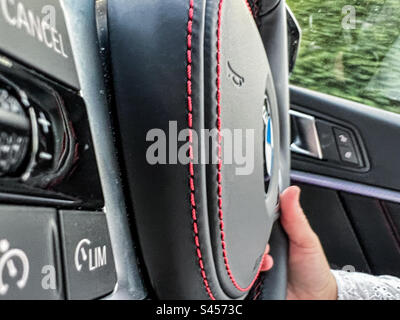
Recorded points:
46,144
30,264
44,123
88,257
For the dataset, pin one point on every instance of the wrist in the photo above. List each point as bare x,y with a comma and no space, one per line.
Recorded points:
326,290
332,293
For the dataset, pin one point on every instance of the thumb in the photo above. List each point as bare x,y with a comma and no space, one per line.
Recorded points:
294,220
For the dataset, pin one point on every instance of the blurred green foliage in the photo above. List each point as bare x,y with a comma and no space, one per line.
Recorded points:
353,59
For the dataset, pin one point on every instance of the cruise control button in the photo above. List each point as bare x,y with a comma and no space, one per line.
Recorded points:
30,263
44,123
88,257
45,153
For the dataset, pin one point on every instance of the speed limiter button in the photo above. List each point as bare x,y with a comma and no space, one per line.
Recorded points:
88,258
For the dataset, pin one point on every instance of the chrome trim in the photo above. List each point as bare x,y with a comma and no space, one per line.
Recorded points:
345,186
294,36
308,143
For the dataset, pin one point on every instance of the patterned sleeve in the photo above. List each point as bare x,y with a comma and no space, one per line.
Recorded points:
361,286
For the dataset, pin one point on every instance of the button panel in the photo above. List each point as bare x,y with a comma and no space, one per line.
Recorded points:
346,146
340,146
31,258
47,159
22,122
46,148
30,132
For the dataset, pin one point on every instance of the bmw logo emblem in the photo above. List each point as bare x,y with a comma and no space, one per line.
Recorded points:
269,138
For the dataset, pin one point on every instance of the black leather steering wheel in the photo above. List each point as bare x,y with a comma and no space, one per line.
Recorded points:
219,65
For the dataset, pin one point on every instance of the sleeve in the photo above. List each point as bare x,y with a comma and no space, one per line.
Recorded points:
361,286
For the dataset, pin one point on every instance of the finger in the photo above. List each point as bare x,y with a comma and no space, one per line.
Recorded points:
267,263
294,220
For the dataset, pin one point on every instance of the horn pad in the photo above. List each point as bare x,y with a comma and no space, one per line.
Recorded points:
195,65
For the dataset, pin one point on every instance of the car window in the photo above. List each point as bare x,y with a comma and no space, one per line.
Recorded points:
350,49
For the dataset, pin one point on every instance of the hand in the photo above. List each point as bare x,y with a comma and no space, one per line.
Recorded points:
310,277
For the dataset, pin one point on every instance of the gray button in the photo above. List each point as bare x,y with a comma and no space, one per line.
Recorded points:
343,138
348,155
30,264
88,258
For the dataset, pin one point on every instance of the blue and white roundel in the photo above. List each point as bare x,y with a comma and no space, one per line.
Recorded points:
269,138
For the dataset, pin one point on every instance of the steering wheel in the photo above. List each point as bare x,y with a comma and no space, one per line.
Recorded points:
180,68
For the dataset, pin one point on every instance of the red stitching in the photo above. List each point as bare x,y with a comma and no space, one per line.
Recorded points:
191,167
248,6
219,174
255,6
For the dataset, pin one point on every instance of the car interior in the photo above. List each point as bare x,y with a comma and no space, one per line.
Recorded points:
89,88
